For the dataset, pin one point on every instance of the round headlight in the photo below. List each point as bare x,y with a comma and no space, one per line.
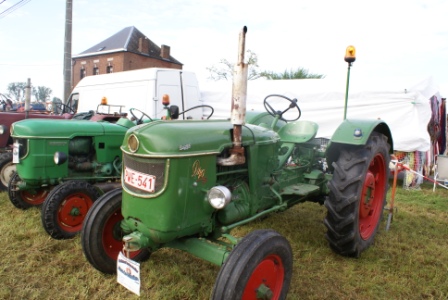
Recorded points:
59,158
219,196
133,143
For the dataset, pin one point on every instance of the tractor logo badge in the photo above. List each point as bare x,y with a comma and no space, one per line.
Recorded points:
199,172
184,147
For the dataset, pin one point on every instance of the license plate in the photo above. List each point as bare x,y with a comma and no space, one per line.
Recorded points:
15,153
139,180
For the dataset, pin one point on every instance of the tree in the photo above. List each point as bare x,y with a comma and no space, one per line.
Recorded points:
299,73
17,90
42,93
226,71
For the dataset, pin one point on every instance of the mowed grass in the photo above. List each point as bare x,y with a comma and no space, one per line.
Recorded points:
410,261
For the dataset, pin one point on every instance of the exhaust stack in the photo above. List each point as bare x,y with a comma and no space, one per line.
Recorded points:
238,110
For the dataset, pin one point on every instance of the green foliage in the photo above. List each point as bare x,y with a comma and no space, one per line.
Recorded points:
17,90
42,93
299,73
225,71
407,262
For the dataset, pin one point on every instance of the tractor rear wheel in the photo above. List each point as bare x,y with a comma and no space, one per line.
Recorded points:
25,199
259,267
7,169
357,196
66,206
101,235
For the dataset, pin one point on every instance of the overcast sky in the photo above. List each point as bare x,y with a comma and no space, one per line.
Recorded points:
398,42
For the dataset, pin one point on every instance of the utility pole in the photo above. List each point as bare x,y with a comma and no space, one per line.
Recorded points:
68,51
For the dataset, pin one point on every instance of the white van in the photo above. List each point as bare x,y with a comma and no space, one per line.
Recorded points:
142,89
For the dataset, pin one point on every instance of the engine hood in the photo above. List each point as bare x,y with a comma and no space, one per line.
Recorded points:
190,137
34,128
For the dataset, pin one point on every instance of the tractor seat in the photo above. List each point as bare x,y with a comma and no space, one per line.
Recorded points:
298,132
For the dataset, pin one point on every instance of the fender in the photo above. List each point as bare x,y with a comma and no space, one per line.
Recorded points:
355,132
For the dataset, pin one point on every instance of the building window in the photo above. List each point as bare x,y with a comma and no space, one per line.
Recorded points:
83,73
110,69
96,71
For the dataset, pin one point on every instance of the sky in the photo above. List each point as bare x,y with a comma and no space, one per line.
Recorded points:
399,43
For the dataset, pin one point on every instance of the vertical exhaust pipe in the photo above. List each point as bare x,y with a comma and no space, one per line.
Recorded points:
27,97
238,109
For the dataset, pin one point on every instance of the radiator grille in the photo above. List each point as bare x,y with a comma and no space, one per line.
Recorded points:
150,166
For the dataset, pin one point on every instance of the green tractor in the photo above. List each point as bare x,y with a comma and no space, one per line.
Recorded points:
65,165
187,184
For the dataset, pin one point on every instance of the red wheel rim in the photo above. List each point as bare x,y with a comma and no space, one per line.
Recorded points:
372,197
36,198
267,276
112,236
72,211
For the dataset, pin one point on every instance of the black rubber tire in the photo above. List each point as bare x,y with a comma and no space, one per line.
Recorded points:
25,199
100,256
66,206
235,279
5,164
358,171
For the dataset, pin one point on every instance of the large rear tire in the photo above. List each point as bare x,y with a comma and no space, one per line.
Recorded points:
101,235
7,169
259,267
357,196
25,199
66,206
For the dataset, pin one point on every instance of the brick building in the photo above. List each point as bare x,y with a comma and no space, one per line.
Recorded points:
128,49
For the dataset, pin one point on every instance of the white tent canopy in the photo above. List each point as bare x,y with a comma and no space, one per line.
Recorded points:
406,111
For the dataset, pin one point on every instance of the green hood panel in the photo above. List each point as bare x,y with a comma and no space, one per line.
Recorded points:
192,137
36,128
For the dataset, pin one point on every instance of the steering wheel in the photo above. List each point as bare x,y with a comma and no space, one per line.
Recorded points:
199,106
64,108
274,113
139,120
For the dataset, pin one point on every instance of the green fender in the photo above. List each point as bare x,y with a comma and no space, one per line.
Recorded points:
355,132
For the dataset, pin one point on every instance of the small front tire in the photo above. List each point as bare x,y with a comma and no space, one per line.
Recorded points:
101,235
259,267
7,169
66,206
25,199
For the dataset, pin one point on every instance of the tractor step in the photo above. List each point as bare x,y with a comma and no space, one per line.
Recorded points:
300,189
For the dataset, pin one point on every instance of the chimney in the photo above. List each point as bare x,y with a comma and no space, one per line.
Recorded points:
143,45
165,52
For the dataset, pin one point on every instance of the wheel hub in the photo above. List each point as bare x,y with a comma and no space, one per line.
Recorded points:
266,280
264,292
73,209
75,212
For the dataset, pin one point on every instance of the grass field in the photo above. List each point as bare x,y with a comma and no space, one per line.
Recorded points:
410,261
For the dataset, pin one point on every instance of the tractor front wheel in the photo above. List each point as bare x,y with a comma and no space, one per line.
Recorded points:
25,199
101,235
66,206
259,267
7,169
357,196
